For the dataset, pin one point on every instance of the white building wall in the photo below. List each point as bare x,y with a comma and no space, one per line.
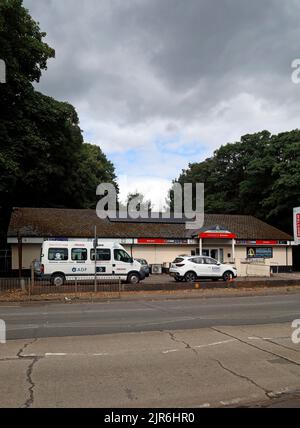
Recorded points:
160,254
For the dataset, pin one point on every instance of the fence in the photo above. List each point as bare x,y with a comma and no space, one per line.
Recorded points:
5,261
28,289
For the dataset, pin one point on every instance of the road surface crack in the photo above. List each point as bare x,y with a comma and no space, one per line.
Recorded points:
33,360
19,354
187,345
279,344
244,378
256,347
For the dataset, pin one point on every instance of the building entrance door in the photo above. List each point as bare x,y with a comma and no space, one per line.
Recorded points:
215,253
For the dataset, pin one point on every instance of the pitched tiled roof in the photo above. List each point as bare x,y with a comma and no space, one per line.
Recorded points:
78,223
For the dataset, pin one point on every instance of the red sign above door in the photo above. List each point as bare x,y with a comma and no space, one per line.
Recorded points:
217,235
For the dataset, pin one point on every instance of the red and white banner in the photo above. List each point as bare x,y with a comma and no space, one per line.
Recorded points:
297,225
217,235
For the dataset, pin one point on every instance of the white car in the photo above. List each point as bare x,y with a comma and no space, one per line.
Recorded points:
189,268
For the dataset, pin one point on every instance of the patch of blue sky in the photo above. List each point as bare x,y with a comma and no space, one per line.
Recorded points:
177,145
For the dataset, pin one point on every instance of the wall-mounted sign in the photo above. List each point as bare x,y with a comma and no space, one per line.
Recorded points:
259,252
217,235
267,242
158,241
261,242
297,225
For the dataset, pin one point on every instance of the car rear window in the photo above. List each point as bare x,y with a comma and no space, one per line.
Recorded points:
178,260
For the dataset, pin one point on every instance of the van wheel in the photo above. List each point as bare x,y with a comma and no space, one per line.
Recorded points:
133,278
190,277
58,280
227,276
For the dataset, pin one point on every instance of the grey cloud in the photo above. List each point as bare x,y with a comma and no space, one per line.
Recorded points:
130,61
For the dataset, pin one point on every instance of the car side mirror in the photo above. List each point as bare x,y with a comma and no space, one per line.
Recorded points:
219,264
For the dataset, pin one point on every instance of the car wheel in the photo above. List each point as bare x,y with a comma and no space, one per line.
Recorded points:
58,280
227,276
133,278
190,277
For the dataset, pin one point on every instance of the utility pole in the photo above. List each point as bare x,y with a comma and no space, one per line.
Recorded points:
95,252
20,257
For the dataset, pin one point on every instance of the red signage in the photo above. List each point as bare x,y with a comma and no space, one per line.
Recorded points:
266,242
298,225
151,241
217,235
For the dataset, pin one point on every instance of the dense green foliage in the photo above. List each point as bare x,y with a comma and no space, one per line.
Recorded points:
43,159
259,175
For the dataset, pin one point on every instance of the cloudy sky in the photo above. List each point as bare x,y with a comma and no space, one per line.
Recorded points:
161,83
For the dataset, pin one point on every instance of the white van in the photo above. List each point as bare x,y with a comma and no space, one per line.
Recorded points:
70,260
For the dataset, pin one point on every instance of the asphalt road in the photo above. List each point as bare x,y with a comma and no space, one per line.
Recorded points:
171,353
80,319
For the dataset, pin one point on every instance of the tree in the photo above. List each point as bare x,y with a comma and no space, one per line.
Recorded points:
258,175
43,159
94,168
25,55
136,201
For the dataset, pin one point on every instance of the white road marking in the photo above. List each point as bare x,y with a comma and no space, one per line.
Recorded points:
204,406
100,355
279,392
234,401
170,350
55,354
215,343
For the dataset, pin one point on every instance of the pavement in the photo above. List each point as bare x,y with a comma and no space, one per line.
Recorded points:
216,352
218,366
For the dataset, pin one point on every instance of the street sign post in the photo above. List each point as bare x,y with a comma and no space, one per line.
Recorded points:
297,225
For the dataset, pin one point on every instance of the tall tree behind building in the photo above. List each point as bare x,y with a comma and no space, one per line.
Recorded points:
42,153
258,175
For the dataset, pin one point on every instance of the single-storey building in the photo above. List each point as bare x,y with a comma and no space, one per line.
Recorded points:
240,239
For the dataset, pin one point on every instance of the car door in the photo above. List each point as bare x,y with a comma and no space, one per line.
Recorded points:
212,267
197,264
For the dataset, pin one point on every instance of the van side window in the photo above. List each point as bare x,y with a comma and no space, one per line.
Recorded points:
79,254
58,254
122,256
103,254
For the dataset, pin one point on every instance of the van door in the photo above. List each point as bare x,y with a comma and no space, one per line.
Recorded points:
104,261
122,262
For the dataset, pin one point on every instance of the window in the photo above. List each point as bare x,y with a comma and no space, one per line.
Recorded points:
103,254
79,254
58,254
122,256
209,261
197,260
178,260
